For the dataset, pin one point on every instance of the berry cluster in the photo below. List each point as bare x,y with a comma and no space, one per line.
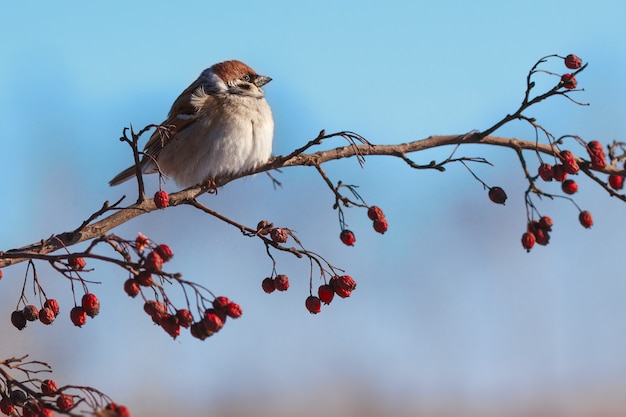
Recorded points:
163,313
46,314
43,398
342,285
379,223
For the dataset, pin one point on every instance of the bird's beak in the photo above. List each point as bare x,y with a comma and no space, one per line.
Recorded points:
261,80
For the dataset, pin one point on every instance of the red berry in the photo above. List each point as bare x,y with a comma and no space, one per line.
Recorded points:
212,321
343,293
313,304
325,293
528,241
234,310
154,262
31,313
77,263
91,304
46,315
220,303
131,287
18,319
165,252
161,199
184,317
569,162
597,155
585,219
381,225
344,282
569,187
542,237
199,331
53,305
268,285
170,324
120,410
65,402
48,386
616,181
497,195
568,81
143,278
375,213
6,406
573,62
545,172
264,227
78,315
0,273
281,282
546,223
156,310
558,172
279,235
347,237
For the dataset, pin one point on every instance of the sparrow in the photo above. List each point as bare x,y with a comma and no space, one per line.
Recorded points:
221,125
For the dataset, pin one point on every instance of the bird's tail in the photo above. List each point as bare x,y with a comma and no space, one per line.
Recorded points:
125,175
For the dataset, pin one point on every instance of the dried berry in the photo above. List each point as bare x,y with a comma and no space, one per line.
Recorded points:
131,287
616,181
18,397
281,282
170,324
220,303
77,263
199,331
154,262
597,155
313,304
264,227
569,162
161,199
375,213
6,406
558,172
573,62
91,304
381,225
347,237
325,293
268,285
184,317
156,310
279,235
18,320
119,410
585,219
212,321
545,172
546,223
31,313
343,282
65,402
48,386
528,241
53,305
568,81
569,187
46,315
143,278
78,315
164,252
542,237
234,310
497,195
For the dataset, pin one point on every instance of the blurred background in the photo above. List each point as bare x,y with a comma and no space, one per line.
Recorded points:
451,316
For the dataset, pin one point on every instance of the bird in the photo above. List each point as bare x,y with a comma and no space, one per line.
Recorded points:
221,125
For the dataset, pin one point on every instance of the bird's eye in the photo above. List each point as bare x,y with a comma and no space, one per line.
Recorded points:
246,78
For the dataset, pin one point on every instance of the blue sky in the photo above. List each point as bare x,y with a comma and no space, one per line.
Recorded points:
449,308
